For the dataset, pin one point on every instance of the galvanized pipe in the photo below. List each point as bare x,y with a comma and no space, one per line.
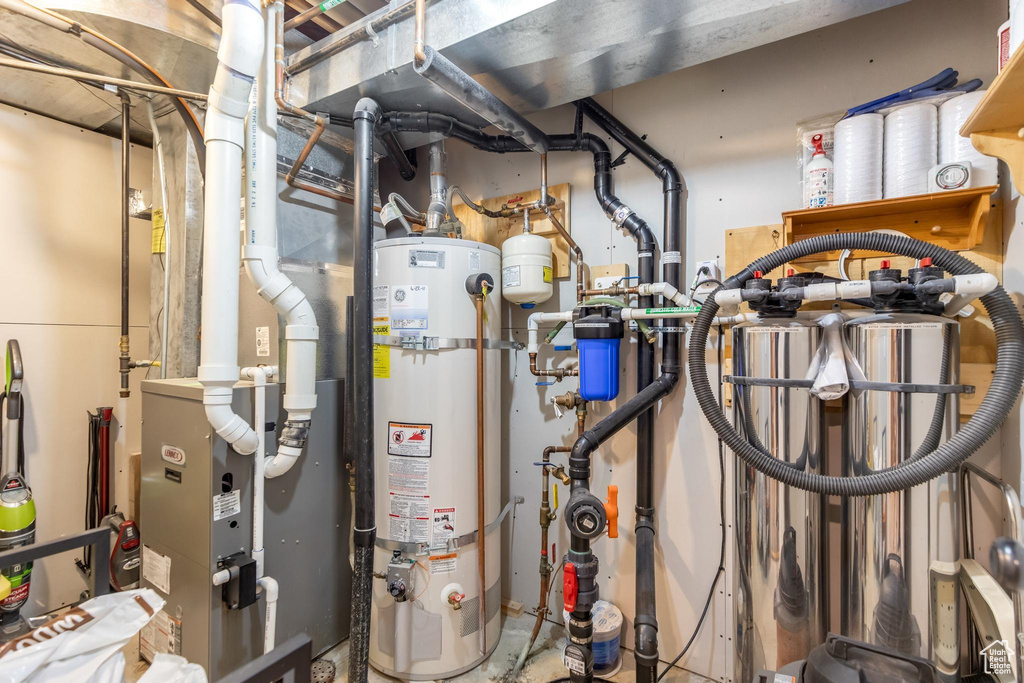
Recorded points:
97,78
437,69
356,35
125,357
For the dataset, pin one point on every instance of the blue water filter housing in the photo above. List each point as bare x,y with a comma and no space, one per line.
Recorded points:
598,337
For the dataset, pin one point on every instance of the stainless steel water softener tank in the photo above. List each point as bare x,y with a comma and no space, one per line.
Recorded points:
901,550
780,585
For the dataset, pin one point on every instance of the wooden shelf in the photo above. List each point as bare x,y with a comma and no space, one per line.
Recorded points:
955,220
997,123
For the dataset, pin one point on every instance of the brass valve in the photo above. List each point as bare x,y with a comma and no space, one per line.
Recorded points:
455,599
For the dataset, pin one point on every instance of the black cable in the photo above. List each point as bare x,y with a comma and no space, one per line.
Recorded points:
721,495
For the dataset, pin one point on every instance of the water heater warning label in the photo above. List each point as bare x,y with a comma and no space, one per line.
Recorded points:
442,528
408,475
410,440
409,517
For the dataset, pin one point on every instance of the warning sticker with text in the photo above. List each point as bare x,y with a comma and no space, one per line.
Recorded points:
381,353
443,564
442,529
408,475
409,517
410,440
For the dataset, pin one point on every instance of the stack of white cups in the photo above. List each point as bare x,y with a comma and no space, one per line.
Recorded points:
858,159
952,147
911,141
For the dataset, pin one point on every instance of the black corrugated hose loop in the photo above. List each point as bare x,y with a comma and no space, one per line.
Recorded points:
1006,381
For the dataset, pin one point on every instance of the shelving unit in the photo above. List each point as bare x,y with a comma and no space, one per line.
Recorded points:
996,126
955,220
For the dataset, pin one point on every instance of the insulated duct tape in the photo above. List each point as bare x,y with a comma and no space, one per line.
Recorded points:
858,159
911,149
953,147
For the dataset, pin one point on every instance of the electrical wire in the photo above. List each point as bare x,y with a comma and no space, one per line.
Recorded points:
721,494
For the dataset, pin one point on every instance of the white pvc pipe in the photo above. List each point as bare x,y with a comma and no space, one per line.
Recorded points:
241,47
259,377
533,325
270,589
966,288
666,290
261,261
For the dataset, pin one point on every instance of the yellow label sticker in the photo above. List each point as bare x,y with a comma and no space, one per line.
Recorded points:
159,236
547,274
556,496
381,354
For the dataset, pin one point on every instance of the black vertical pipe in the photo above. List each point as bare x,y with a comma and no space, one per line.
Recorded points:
125,356
361,391
646,623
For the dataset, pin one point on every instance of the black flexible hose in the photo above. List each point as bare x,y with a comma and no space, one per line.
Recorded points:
1006,380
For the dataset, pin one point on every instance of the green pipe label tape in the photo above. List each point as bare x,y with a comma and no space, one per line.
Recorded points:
667,311
324,6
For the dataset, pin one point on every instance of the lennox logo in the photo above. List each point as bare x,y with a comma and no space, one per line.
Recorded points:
173,454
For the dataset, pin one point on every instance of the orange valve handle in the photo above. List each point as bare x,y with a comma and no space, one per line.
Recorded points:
611,510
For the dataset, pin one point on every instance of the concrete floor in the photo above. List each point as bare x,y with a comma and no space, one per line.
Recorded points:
544,665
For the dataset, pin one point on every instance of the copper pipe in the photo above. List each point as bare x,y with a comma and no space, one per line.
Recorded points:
557,373
580,291
306,15
319,125
481,519
546,517
420,39
122,83
615,290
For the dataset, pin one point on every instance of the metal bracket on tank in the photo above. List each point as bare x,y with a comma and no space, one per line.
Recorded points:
410,343
855,384
453,543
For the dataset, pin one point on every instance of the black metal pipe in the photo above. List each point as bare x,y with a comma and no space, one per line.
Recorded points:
397,155
361,391
429,122
125,356
437,69
645,622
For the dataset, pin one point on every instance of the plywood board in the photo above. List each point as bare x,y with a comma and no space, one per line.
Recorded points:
744,245
494,231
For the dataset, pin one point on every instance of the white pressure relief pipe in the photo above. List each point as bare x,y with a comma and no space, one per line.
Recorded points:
241,47
259,376
270,590
260,255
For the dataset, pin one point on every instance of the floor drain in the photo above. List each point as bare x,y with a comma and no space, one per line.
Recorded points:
323,671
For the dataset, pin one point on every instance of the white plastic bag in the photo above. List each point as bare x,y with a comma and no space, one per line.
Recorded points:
834,363
81,644
173,669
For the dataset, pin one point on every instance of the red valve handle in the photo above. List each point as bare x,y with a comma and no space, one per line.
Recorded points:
569,587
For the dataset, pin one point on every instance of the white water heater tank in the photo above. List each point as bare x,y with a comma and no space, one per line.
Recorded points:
425,445
526,273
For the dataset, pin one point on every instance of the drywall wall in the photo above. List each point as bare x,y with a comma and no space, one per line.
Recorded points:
60,289
729,125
